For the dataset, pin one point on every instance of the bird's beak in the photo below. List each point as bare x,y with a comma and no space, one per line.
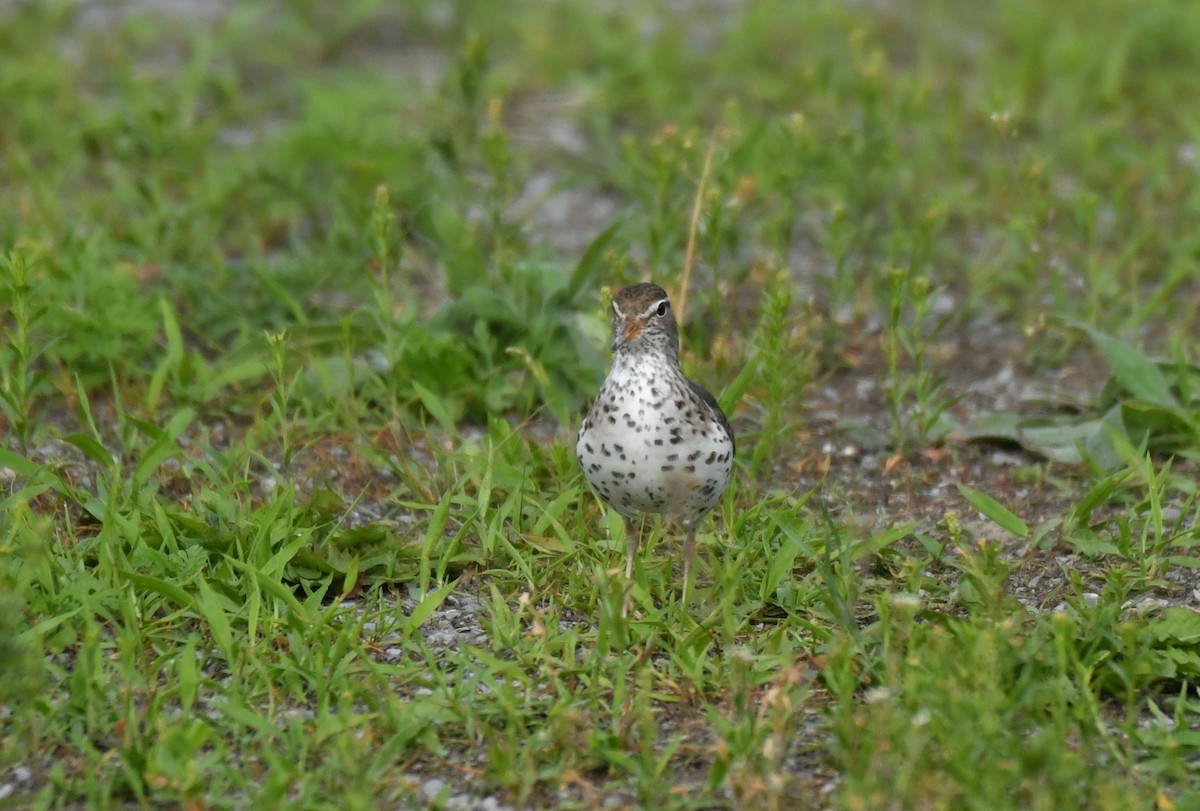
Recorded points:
629,330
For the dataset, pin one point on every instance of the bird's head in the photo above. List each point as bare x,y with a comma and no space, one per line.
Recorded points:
643,321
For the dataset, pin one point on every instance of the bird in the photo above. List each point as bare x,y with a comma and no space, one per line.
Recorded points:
654,441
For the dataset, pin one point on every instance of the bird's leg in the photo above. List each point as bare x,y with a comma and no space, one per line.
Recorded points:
689,552
632,536
632,533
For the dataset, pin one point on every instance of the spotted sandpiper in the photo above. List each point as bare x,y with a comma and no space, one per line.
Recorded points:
654,441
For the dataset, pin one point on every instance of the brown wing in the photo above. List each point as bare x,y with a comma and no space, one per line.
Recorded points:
712,403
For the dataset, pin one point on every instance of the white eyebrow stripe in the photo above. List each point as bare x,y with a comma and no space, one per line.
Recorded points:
617,309
655,306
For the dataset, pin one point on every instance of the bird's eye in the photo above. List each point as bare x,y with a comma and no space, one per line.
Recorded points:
662,308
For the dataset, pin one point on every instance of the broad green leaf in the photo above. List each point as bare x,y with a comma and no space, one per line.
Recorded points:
236,709
781,567
171,591
462,260
163,447
26,494
91,448
172,359
1134,370
32,470
15,461
883,540
297,615
224,374
994,510
351,578
1100,493
213,611
434,536
1178,625
47,625
435,406
1090,543
1058,440
429,604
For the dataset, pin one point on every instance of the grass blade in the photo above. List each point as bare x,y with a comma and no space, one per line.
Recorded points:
994,510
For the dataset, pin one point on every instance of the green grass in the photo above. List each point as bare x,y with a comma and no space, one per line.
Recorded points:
295,334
